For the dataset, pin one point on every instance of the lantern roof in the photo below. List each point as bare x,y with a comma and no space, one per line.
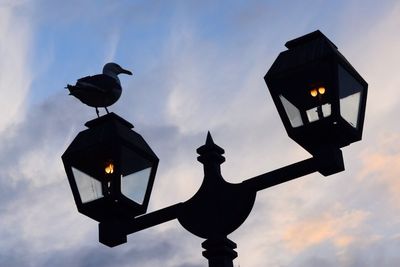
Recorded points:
315,35
106,118
306,49
109,127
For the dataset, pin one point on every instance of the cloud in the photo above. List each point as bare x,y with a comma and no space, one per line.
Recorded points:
38,212
380,167
112,46
192,78
375,55
335,226
34,189
15,51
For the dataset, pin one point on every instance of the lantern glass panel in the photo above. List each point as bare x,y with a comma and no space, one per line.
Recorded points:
319,112
134,185
89,188
135,174
350,96
292,112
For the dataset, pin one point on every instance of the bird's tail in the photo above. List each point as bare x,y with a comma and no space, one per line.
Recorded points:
70,88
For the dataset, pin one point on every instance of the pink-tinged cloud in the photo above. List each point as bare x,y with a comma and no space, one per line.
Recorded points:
381,166
333,226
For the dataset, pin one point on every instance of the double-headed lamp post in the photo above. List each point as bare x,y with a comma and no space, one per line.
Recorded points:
321,100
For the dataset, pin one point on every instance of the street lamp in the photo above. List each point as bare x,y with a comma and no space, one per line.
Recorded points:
320,97
321,100
111,171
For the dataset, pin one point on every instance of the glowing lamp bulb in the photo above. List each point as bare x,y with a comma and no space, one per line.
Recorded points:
321,90
109,169
314,92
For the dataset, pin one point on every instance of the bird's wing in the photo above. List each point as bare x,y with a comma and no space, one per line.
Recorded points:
99,82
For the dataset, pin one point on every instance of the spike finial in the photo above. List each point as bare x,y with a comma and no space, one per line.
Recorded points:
209,139
210,150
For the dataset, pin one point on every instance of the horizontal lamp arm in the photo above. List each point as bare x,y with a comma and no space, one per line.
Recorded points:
282,175
152,219
326,162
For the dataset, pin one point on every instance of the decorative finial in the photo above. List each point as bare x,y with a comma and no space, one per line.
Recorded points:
209,140
210,150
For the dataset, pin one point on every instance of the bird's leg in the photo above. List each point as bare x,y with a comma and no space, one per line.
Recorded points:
97,112
107,110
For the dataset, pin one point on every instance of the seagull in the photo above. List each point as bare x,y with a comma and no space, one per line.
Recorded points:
101,90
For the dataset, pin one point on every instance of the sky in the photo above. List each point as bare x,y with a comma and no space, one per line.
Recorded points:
198,66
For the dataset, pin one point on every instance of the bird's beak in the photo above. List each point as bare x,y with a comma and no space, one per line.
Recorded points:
126,71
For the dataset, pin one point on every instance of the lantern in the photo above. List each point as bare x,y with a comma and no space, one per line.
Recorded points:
111,170
320,97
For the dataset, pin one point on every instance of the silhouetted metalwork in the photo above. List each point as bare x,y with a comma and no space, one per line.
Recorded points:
218,208
321,100
101,90
111,170
320,97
